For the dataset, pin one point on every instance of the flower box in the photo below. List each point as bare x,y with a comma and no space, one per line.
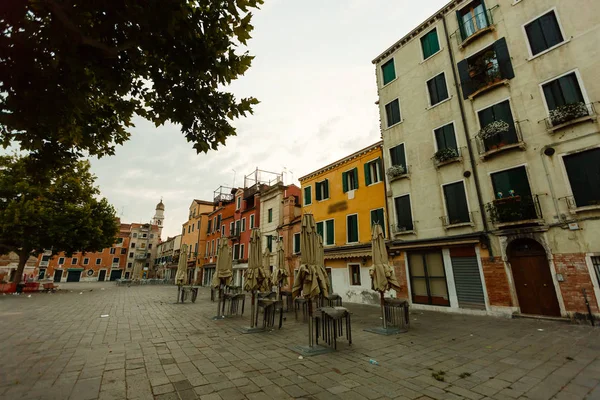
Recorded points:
446,154
568,112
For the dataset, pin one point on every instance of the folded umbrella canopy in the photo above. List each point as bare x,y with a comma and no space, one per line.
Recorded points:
311,280
266,266
254,275
280,275
181,276
224,269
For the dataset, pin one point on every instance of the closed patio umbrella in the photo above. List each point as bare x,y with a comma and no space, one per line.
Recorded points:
280,275
224,269
181,276
383,277
254,276
266,266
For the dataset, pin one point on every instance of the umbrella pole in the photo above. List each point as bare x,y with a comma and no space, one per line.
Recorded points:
383,311
310,321
252,311
219,302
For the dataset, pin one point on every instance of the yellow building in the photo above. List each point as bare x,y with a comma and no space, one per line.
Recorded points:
346,198
193,234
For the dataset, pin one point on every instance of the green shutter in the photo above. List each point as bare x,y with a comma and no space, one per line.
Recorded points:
318,190
330,232
368,174
388,71
326,189
352,221
456,203
503,57
269,242
307,195
461,26
466,83
345,181
355,172
320,228
377,218
296,243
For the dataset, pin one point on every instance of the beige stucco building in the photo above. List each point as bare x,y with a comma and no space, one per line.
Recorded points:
167,257
488,117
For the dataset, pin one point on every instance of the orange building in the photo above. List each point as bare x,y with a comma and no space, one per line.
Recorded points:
193,234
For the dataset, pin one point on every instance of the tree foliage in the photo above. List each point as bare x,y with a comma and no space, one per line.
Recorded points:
73,74
58,210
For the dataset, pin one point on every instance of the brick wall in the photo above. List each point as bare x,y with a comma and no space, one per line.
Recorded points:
496,282
576,277
400,270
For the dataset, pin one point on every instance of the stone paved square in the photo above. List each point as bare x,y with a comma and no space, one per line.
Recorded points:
57,346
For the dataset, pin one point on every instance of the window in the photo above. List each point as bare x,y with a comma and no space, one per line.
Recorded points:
231,229
86,261
373,172
144,235
238,203
112,250
445,138
322,190
270,215
308,195
352,228
543,33
428,279
74,261
189,228
354,270
129,265
243,224
216,246
596,264
222,230
61,260
199,225
98,261
218,226
350,180
505,132
583,170
296,243
327,231
130,255
237,227
485,68
134,235
270,243
404,220
123,251
214,224
430,44
119,240
213,248
388,72
564,99
208,230
398,156
377,217
242,251
252,221
514,201
472,19
457,209
143,245
438,91
152,236
392,112
115,260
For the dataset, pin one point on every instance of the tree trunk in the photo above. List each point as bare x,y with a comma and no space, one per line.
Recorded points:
23,257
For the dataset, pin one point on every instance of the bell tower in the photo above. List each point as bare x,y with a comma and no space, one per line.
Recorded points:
159,216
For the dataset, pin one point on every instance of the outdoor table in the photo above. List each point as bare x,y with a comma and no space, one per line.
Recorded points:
235,301
270,308
331,324
184,291
397,313
301,304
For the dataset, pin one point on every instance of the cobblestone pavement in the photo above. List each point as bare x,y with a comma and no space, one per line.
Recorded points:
56,346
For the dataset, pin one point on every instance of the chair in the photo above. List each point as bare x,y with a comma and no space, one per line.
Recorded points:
330,323
301,304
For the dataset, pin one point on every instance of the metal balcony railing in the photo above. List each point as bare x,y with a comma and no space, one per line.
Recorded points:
404,228
43,263
573,204
515,209
500,141
568,114
448,221
470,28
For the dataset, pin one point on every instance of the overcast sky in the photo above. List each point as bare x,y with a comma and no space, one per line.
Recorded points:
316,84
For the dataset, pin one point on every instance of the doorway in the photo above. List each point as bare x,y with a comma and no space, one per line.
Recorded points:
102,275
532,277
57,275
41,274
115,274
73,276
428,279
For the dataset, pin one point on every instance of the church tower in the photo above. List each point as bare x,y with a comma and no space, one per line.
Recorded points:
159,216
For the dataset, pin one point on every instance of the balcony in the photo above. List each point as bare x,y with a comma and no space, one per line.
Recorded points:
569,114
514,211
397,172
404,228
497,137
469,29
446,156
142,256
576,207
43,263
234,234
449,223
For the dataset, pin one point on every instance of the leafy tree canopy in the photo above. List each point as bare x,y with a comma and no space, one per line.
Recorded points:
74,73
57,210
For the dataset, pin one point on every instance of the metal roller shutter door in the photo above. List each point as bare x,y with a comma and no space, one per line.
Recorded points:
468,282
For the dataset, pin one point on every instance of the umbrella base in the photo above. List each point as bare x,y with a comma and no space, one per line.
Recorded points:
308,351
386,331
247,329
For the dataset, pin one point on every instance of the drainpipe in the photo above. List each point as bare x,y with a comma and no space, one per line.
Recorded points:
469,146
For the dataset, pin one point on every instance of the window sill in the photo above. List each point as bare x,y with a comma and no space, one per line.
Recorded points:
431,56
441,102
374,183
389,83
459,225
549,50
572,122
503,225
396,124
446,162
475,35
412,232
397,178
484,89
490,153
594,207
320,201
305,205
349,243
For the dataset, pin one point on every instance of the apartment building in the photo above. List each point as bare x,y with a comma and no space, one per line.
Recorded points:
492,157
167,257
193,234
289,232
346,198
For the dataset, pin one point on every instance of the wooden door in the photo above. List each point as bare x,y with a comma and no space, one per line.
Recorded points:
57,275
102,275
532,277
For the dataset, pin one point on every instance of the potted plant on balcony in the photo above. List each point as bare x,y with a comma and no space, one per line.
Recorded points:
445,154
568,112
494,130
396,171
